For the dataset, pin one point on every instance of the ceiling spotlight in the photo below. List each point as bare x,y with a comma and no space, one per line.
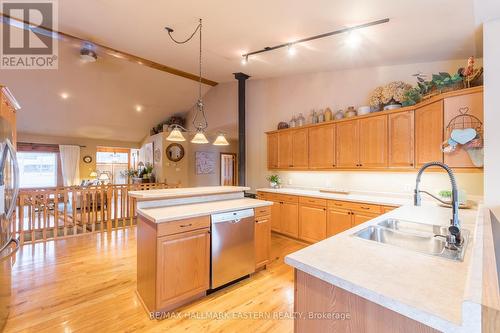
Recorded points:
64,95
87,53
291,49
244,61
138,108
353,39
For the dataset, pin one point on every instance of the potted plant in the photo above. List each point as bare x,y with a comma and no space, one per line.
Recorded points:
274,181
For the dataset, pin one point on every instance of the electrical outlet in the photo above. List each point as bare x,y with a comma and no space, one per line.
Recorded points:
289,181
408,187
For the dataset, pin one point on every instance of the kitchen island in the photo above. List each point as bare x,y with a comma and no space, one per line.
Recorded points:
385,288
178,245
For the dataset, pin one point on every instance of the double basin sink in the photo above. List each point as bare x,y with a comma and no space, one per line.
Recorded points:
418,237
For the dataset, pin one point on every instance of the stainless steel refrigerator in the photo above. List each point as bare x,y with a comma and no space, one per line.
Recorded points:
9,189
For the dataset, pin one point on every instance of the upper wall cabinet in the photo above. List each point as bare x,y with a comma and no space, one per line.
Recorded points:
398,139
347,144
401,139
272,151
322,147
373,142
429,133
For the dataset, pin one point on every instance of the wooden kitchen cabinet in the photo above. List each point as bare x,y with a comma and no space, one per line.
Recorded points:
300,148
472,104
183,266
276,214
173,262
8,108
373,142
262,240
362,217
290,219
272,151
312,223
347,144
338,220
429,133
322,147
401,139
285,150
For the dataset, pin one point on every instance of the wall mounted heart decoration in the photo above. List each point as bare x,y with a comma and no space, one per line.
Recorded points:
462,136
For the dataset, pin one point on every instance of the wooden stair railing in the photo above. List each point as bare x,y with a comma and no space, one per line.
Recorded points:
44,214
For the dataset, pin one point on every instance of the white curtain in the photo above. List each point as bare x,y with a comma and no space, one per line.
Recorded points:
70,164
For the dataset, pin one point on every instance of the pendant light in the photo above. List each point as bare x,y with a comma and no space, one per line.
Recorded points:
221,141
176,135
199,138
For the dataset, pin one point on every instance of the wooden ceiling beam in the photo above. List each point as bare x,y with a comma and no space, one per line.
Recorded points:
6,19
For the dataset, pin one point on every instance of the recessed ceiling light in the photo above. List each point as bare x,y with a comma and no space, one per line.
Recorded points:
138,108
64,95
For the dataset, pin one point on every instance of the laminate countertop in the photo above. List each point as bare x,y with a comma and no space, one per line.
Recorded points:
172,193
432,290
179,212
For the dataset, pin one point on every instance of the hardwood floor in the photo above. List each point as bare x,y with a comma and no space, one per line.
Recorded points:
87,284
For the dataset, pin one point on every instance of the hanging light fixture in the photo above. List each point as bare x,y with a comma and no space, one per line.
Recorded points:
200,122
176,134
221,141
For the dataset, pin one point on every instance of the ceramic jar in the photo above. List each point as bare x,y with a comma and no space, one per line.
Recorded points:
339,115
293,122
328,114
351,112
301,121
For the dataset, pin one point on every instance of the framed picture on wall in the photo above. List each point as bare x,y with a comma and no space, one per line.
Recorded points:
205,162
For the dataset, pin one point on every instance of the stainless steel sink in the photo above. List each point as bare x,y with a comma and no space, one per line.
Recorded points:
413,236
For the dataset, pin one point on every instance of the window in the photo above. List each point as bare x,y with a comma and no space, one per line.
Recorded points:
37,169
114,162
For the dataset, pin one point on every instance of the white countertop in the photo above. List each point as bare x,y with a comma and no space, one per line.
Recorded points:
422,287
179,212
364,197
171,193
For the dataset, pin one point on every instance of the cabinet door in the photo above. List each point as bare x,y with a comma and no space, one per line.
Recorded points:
322,147
312,223
276,216
183,264
373,142
429,133
300,154
452,105
359,218
290,219
338,220
401,139
347,144
262,241
285,150
272,151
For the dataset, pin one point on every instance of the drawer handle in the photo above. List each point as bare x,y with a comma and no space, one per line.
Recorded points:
337,204
365,207
186,225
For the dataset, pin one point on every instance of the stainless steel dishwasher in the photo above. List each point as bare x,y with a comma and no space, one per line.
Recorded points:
233,252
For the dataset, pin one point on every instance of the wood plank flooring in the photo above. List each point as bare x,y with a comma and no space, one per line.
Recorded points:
87,284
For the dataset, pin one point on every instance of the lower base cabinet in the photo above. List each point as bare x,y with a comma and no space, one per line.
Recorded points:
312,223
173,262
314,219
262,240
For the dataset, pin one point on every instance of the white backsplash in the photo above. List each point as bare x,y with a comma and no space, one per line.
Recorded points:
391,182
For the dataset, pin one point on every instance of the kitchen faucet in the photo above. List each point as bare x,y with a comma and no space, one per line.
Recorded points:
454,238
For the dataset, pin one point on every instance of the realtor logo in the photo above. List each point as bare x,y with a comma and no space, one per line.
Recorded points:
28,40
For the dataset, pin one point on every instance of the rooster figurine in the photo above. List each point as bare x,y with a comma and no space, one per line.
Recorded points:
468,71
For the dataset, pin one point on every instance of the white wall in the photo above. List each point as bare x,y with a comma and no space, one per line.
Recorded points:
491,42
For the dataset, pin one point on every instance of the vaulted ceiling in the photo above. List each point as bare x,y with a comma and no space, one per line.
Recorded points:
103,95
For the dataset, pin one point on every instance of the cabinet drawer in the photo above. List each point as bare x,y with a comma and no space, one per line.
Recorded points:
288,198
175,227
356,206
262,196
313,201
262,211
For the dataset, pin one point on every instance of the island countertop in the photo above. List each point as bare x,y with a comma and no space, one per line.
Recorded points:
428,289
179,212
184,192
